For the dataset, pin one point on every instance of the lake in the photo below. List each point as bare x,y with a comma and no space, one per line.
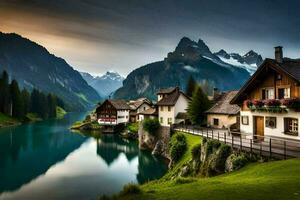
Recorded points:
46,160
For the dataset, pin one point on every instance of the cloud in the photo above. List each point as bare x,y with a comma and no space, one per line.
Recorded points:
129,33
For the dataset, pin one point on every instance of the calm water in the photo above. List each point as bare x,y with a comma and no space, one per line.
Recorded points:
47,161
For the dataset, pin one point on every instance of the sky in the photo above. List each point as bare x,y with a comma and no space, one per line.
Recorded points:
121,35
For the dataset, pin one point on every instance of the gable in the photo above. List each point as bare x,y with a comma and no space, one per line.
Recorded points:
265,76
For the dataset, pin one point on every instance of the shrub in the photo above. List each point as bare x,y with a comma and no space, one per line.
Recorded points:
177,146
151,125
133,127
130,189
239,161
196,152
212,145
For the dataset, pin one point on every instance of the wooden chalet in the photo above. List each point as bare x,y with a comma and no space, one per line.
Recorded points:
113,112
269,100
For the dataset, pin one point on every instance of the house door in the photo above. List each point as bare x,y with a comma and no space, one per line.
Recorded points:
259,128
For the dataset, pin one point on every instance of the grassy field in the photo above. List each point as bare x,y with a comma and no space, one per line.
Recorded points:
271,180
7,121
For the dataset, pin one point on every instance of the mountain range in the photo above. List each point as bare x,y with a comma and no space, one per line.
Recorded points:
190,58
34,67
106,84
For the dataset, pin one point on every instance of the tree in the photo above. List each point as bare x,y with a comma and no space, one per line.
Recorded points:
17,108
4,94
26,101
191,85
198,106
51,100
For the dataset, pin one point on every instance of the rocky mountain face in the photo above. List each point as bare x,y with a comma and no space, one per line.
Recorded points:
250,61
190,58
34,67
105,85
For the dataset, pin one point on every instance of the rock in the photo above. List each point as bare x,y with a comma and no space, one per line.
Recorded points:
185,171
159,148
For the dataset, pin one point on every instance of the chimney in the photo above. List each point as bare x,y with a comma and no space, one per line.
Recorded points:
278,54
216,94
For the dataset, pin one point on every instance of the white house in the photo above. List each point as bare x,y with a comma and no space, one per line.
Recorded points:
138,106
223,114
269,100
113,112
172,106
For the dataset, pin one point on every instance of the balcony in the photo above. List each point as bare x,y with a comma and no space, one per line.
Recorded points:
274,105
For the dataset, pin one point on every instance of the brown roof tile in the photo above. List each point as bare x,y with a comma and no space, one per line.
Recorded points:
223,106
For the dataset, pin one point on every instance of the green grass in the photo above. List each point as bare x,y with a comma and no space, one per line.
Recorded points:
8,121
60,112
192,140
270,180
133,127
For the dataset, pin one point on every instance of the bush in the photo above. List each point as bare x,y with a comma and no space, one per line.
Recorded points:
212,145
177,146
151,125
239,161
130,189
133,127
196,152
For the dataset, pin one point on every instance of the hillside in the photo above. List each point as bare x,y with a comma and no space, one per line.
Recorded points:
34,67
190,58
270,180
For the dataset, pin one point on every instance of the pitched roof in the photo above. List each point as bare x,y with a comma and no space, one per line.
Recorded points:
171,98
137,103
289,67
166,90
223,106
182,115
119,104
150,111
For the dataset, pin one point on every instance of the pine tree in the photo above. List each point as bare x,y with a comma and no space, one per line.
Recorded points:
198,106
51,100
26,100
4,94
17,108
191,85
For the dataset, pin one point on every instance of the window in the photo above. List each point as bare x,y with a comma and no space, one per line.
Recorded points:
216,122
169,108
271,122
161,120
161,108
267,93
245,120
291,126
284,93
169,120
121,117
144,108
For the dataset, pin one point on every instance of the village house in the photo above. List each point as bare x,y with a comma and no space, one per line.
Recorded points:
113,112
223,114
172,105
150,113
269,100
138,106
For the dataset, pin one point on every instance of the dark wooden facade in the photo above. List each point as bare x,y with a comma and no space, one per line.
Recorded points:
107,112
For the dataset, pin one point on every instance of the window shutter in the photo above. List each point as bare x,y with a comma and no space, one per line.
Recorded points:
263,94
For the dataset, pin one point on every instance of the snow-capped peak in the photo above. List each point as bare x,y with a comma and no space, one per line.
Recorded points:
250,61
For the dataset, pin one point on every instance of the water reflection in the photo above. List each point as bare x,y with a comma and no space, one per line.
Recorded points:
47,160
